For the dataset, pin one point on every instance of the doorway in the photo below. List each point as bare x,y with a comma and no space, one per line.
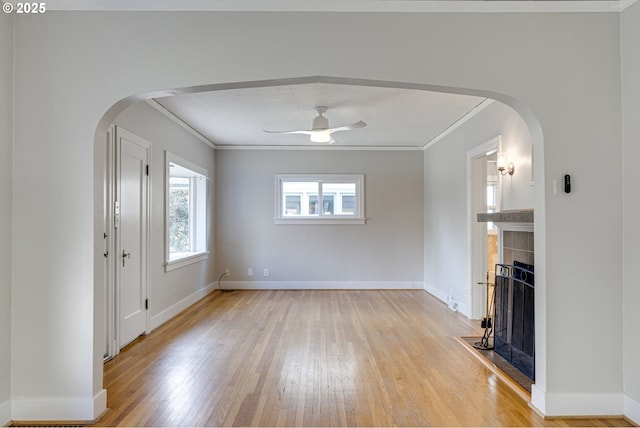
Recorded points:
128,290
483,193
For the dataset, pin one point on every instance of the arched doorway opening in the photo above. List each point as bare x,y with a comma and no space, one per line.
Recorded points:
102,268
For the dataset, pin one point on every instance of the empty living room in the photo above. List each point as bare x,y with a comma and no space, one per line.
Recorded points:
319,213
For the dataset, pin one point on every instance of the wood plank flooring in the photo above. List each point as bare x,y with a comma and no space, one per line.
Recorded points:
313,358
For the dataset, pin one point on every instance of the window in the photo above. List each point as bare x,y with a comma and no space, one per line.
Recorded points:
324,198
186,204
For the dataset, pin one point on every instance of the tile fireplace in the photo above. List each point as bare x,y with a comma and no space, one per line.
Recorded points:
514,288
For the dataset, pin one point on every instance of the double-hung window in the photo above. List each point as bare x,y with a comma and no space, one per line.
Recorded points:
186,212
319,198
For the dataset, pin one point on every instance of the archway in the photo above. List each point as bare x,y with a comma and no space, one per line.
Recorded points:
531,121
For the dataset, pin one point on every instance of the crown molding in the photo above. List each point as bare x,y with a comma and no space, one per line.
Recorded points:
175,119
321,147
457,124
625,4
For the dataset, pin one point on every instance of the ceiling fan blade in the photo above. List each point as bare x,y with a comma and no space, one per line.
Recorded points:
359,124
321,133
289,132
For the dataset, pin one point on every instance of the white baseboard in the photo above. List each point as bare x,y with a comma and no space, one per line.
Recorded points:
632,409
166,314
537,399
5,413
461,307
99,404
568,405
322,285
59,409
437,293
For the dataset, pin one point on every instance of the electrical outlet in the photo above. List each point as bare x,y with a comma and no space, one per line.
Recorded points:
266,272
227,272
250,272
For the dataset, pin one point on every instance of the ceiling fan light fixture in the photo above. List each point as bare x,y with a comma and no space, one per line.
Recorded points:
320,132
320,137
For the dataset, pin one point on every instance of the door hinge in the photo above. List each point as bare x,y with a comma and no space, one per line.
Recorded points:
116,214
146,304
147,170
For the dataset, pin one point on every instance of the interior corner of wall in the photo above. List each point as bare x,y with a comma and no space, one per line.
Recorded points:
435,292
464,309
632,409
538,400
5,413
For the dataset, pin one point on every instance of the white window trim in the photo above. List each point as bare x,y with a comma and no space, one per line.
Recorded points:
357,179
186,261
191,257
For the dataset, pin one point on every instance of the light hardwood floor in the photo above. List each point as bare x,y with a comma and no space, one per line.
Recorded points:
313,358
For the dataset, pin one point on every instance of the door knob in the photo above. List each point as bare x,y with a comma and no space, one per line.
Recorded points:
125,255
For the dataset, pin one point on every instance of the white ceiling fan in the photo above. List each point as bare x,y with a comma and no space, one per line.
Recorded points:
320,131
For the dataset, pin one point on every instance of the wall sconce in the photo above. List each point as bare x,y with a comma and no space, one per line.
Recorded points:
503,167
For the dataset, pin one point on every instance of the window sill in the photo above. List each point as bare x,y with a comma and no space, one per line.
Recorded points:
324,220
185,261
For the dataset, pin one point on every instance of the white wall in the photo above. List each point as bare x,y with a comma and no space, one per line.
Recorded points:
170,291
447,253
631,153
6,205
385,252
561,71
517,189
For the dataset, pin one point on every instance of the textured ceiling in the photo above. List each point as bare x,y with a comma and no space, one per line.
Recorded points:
396,118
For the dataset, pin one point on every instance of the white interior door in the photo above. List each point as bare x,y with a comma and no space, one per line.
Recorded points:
132,260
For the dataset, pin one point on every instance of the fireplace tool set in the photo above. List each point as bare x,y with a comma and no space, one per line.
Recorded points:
487,321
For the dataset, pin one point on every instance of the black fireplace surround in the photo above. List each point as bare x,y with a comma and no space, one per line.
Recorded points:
514,320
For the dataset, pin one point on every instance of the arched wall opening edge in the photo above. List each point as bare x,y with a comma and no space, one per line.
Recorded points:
533,124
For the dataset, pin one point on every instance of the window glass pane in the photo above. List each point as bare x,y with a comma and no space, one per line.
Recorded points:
348,204
314,206
337,195
179,215
492,200
327,204
186,199
299,187
292,205
298,198
348,188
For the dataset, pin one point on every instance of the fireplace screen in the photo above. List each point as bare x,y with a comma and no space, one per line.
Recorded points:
514,323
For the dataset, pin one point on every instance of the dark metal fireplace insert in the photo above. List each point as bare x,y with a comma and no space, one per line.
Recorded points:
514,319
